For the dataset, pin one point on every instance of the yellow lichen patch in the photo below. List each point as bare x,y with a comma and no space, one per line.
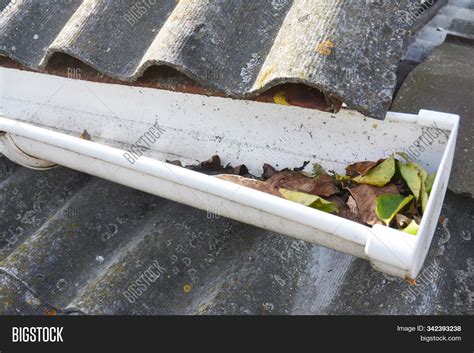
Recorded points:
411,281
264,76
325,48
73,225
187,288
280,98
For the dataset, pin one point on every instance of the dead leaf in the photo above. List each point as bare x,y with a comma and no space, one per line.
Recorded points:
294,181
411,211
251,183
402,221
359,168
175,162
300,169
343,210
309,200
212,166
213,163
240,170
365,197
85,135
380,175
268,171
353,213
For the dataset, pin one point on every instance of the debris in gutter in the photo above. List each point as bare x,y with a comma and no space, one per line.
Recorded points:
252,183
85,135
389,191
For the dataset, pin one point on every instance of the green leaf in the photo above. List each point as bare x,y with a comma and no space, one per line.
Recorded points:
404,156
425,181
339,177
389,205
380,175
423,193
421,170
429,182
312,201
412,228
412,176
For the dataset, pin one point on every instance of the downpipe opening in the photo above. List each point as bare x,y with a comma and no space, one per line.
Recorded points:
13,152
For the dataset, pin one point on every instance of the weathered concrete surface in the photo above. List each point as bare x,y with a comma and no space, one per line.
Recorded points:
445,82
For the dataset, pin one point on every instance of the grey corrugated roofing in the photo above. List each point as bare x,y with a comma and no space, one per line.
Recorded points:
73,243
457,19
349,50
448,69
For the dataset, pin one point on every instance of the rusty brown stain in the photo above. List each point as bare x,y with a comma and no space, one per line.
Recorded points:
51,312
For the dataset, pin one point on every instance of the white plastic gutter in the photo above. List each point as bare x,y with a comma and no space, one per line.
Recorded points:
43,114
25,136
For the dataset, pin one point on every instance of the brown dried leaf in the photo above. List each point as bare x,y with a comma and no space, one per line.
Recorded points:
251,183
213,163
402,221
85,135
353,210
365,197
359,168
268,171
322,186
343,210
240,170
300,169
175,162
411,211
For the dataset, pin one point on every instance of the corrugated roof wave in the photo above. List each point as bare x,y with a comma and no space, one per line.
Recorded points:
349,50
74,243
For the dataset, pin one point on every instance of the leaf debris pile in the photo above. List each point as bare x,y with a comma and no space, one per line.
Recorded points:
391,191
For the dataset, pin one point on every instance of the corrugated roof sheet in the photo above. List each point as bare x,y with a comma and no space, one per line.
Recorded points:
74,243
349,50
448,69
456,19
